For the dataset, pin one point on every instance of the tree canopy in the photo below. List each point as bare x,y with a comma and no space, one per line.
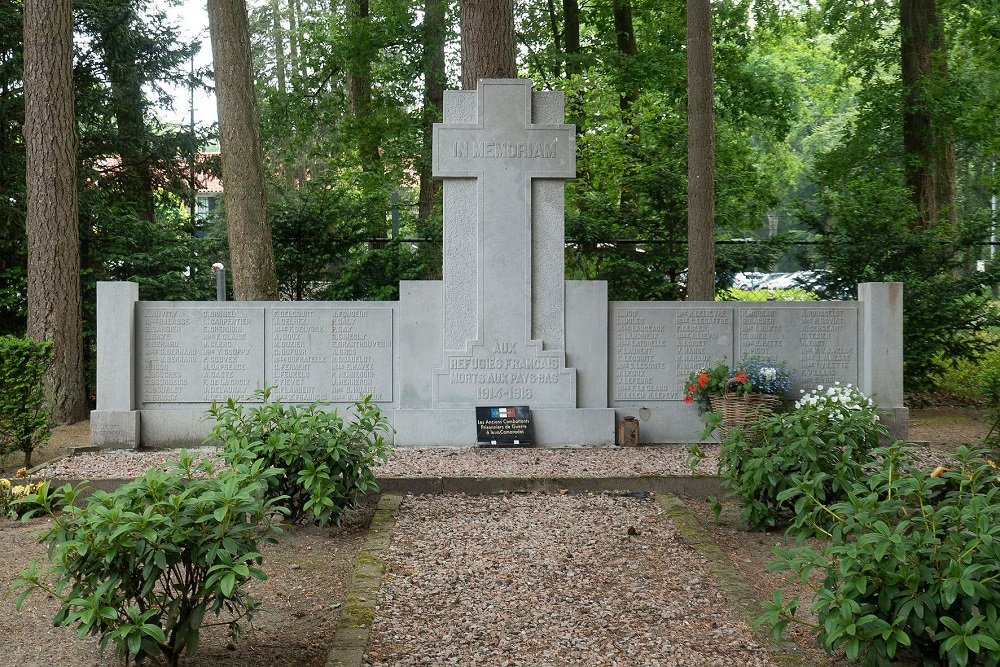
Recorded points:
824,132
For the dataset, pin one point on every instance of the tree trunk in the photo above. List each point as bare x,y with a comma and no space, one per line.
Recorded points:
571,36
278,40
556,40
487,28
54,300
701,153
627,97
293,40
434,83
927,144
359,85
250,251
128,104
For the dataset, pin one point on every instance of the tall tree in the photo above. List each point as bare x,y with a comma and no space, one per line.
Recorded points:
487,41
929,150
359,84
54,300
433,35
628,95
701,153
250,250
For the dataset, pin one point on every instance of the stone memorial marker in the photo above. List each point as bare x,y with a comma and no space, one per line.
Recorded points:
503,326
504,151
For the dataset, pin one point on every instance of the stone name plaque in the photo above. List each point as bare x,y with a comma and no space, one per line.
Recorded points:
819,344
199,354
654,348
335,354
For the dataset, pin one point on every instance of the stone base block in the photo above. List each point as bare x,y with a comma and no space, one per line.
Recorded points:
898,421
114,429
553,427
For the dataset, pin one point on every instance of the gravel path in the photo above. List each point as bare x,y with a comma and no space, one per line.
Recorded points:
550,580
532,463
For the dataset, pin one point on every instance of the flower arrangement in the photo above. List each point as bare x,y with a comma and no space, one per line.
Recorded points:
754,375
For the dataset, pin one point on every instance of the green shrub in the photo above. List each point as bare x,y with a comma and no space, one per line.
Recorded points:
913,561
24,416
821,446
141,567
788,294
326,461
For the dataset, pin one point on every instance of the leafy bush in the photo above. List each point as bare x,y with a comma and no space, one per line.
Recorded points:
913,561
789,294
24,417
141,567
326,461
820,447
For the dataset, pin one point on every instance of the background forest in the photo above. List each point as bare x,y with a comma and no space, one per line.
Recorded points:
817,110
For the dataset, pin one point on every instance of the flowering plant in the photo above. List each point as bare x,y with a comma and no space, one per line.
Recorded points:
705,383
13,495
753,376
838,402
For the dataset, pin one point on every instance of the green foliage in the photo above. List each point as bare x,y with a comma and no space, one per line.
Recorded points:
789,294
818,450
24,416
865,233
326,461
913,563
142,566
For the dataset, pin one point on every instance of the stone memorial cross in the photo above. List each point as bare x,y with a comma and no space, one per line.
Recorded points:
504,151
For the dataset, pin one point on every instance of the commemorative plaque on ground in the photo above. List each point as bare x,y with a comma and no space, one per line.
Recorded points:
503,427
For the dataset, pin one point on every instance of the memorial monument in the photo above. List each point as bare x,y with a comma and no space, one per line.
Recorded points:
503,327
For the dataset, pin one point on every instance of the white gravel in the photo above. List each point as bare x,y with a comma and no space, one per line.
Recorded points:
531,463
550,580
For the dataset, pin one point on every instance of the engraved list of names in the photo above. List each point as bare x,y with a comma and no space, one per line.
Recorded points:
332,354
197,355
820,345
655,348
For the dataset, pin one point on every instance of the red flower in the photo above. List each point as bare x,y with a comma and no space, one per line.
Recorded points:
741,378
688,399
702,380
693,388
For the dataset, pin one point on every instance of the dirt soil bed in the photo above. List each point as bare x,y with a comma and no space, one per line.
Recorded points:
308,572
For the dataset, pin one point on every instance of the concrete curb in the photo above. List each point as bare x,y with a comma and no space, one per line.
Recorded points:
696,487
358,612
742,597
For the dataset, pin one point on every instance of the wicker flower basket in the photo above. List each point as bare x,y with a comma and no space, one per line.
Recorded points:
741,411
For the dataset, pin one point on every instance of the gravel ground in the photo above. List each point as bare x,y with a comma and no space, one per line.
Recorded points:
532,463
550,580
